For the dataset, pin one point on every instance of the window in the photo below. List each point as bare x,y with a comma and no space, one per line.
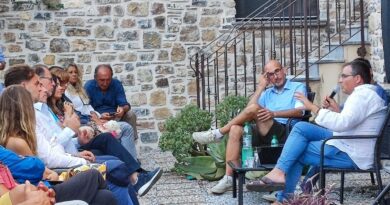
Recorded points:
278,9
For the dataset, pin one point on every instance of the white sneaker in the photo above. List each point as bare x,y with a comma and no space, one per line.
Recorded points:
224,185
205,137
270,197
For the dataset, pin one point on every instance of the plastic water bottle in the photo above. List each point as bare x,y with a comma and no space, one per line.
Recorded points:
247,150
274,141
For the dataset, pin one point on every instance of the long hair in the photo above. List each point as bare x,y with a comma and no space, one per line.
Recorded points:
77,88
61,75
17,116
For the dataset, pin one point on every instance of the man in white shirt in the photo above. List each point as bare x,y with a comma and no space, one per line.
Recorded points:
363,114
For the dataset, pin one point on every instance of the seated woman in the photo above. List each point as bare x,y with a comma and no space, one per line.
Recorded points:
363,114
76,94
18,135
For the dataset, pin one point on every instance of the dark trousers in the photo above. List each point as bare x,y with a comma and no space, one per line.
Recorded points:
106,144
88,186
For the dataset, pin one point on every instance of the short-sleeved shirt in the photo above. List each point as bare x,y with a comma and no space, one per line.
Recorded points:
109,100
277,100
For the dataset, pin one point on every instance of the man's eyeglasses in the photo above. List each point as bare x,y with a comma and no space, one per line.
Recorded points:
276,72
47,78
342,75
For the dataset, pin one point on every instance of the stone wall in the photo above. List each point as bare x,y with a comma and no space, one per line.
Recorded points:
148,43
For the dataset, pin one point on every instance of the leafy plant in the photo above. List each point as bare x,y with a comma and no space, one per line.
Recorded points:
229,107
177,137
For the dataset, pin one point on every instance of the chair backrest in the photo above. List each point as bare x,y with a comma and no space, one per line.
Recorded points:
382,143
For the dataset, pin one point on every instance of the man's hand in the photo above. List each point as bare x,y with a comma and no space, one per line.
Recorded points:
330,104
307,104
120,111
27,194
264,114
264,81
73,122
87,155
50,192
106,116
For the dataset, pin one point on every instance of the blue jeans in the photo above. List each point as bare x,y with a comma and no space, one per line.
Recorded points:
303,147
127,138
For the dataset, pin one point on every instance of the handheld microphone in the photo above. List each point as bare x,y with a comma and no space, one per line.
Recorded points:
334,91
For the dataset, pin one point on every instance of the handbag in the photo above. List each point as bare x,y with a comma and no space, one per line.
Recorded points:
73,171
6,177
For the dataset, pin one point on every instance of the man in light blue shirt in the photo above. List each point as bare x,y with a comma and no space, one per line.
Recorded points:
270,106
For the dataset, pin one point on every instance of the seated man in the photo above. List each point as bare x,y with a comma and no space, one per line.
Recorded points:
108,97
269,107
363,114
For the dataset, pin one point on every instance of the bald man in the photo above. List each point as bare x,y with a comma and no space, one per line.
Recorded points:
270,107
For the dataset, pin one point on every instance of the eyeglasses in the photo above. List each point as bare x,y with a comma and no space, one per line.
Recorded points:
62,83
342,75
50,79
274,74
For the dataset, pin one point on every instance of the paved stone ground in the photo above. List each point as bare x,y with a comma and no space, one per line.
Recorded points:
175,189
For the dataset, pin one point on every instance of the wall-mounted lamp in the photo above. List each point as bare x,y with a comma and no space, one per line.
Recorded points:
28,3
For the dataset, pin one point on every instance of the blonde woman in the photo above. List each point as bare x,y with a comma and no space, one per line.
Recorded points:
76,93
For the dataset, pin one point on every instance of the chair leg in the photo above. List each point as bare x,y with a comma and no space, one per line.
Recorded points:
342,188
372,178
381,195
322,181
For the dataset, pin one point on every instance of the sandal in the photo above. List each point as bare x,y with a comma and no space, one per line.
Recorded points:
265,184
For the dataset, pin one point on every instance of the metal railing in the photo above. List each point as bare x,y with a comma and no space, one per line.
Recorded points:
230,63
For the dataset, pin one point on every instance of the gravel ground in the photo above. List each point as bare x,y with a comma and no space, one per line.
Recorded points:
175,189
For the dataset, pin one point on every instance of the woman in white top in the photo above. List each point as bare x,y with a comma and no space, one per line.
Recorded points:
76,93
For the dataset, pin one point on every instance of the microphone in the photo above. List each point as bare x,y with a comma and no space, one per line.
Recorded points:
335,91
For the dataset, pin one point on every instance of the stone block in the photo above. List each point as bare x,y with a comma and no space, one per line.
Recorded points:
35,45
44,16
77,32
208,35
128,36
9,37
84,58
162,83
199,3
142,64
191,87
144,75
147,87
128,80
189,34
141,112
174,24
149,137
164,70
159,22
212,11
106,58
118,47
162,113
147,57
178,101
83,45
210,21
35,27
16,25
152,40
108,1
170,37
158,98
118,11
14,48
178,52
157,8
53,28
104,10
24,36
190,17
129,67
138,9
127,23
104,31
146,125
61,14
163,55
78,13
72,4
15,61
26,16
144,23
138,99
127,57
64,62
178,89
74,22
104,46
49,59
4,8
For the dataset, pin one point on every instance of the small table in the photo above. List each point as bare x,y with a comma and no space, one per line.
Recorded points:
239,172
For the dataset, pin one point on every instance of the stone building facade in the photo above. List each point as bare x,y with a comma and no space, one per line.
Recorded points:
148,43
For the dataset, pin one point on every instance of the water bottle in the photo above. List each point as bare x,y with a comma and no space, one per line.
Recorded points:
274,141
247,150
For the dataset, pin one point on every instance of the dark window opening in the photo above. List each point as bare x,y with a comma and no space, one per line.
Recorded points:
277,9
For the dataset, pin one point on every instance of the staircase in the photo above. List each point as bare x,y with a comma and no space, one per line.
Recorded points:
311,44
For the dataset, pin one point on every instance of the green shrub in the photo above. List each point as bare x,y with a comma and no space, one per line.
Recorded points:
229,107
178,135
